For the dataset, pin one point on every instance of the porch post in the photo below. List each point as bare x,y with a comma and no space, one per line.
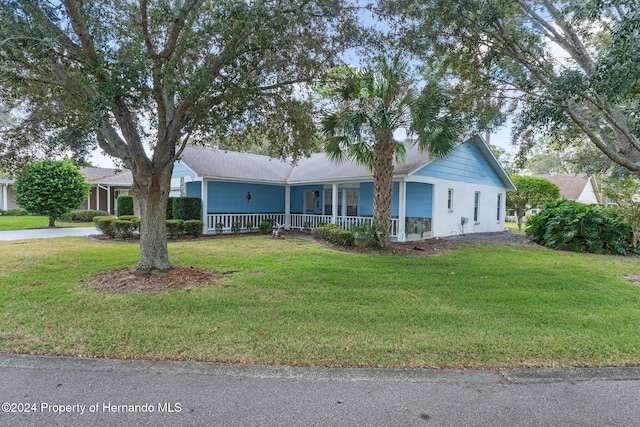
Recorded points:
5,195
205,207
98,196
343,213
109,199
89,201
334,204
287,207
402,210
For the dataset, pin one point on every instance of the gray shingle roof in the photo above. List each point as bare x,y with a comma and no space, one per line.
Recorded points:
107,176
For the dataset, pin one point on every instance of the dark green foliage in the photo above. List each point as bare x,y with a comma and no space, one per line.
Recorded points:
572,226
175,227
235,227
170,208
134,220
104,224
16,212
193,227
369,235
334,234
123,228
219,227
264,227
83,215
186,208
125,205
51,188
249,225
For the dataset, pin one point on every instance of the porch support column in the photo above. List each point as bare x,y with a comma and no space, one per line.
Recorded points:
98,196
89,201
109,198
334,204
343,212
5,195
402,211
205,205
287,207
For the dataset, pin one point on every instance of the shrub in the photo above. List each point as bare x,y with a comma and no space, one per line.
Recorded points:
334,234
369,235
235,227
125,205
264,226
219,227
193,227
572,226
170,208
134,220
249,225
186,208
104,224
175,227
3,212
16,212
123,228
83,215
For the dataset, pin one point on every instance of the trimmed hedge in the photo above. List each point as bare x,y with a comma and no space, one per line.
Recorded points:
334,234
175,227
170,207
104,224
123,228
186,208
83,215
571,226
193,227
134,219
125,205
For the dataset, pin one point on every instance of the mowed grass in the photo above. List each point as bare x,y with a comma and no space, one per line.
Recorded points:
27,222
290,302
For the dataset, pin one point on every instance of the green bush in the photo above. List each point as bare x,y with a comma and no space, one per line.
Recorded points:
125,205
235,227
264,227
219,227
104,224
572,226
170,207
83,215
3,212
134,219
175,227
17,212
123,228
334,234
186,208
193,227
369,235
249,225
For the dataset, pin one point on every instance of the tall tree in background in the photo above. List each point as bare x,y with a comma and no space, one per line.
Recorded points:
140,76
568,67
372,105
531,192
51,187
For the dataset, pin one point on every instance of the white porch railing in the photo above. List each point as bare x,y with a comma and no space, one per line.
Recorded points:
226,222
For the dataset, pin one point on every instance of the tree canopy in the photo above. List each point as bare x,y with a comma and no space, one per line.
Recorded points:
138,77
531,192
567,68
50,187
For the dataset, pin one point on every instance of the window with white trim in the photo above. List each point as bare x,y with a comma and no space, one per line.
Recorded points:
499,207
450,199
476,206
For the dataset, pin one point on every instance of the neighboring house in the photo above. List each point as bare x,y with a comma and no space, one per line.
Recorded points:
464,192
580,187
106,185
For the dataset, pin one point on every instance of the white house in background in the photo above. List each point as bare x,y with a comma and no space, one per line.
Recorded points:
464,192
7,198
580,187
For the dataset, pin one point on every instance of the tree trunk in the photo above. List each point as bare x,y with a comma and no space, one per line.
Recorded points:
383,187
52,222
151,189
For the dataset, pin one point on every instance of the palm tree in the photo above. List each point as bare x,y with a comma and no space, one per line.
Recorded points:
373,104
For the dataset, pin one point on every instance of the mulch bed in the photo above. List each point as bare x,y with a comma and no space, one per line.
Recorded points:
179,277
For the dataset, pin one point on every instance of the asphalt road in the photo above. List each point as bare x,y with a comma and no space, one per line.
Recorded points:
47,233
56,391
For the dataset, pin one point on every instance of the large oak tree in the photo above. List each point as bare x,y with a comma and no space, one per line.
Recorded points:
143,77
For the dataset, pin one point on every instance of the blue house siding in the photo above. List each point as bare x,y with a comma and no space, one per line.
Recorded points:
194,189
465,164
180,170
419,200
297,196
365,204
229,197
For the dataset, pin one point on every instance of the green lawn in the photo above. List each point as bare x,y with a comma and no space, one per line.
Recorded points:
290,302
28,222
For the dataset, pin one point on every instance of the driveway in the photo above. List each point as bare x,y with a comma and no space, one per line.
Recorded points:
61,391
46,233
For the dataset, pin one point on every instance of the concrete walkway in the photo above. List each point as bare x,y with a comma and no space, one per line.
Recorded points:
61,391
46,233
